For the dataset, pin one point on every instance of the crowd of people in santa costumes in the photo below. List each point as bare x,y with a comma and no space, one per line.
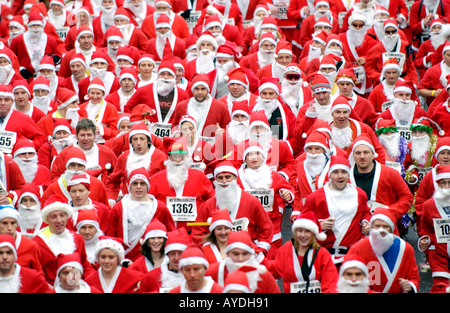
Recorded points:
161,146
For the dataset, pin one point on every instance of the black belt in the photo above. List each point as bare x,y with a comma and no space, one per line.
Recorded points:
338,251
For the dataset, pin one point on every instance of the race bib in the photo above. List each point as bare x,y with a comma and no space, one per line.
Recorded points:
386,105
373,205
395,165
7,141
282,11
62,32
423,171
300,287
240,224
405,132
193,19
198,166
442,229
182,208
360,74
162,129
265,197
210,140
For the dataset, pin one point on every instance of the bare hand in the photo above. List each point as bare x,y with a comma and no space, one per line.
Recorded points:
286,195
406,286
327,224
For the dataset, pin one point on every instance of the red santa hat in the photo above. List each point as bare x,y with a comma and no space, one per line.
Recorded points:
79,179
153,230
329,61
238,280
163,21
253,146
126,14
75,155
87,217
308,220
363,139
6,91
259,118
84,30
176,145
28,4
78,57
241,240
237,75
390,22
442,172
383,125
317,138
321,37
140,113
177,240
346,75
193,255
164,2
338,162
385,214
211,21
126,53
7,240
99,56
240,107
97,83
139,173
57,2
147,58
23,145
319,83
208,37
62,124
321,2
323,21
113,33
191,42
269,22
427,125
341,102
40,83
31,190
320,126
220,218
353,261
381,9
129,72
228,50
64,97
55,203
47,63
201,80
188,118
403,86
21,84
267,37
333,38
269,83
293,67
8,211
389,64
5,53
123,117
111,243
442,144
357,16
261,7
166,66
224,166
283,47
68,260
35,18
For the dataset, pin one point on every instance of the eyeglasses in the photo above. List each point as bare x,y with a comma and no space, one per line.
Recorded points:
293,76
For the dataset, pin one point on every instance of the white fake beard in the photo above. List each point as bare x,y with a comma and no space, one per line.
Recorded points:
253,276
323,112
391,143
420,145
348,286
356,36
381,244
29,216
220,39
222,70
10,284
315,163
278,71
28,168
390,41
139,213
177,173
267,105
165,86
314,52
191,55
226,196
60,144
257,22
42,103
161,42
264,139
378,27
442,196
91,245
430,3
437,39
290,93
342,138
260,178
205,62
127,31
108,14
197,110
4,73
330,76
57,20
98,72
403,111
238,131
68,174
62,244
135,161
265,57
170,279
336,52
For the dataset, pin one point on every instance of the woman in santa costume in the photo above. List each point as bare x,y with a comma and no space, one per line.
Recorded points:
179,182
112,277
138,208
152,247
302,263
215,243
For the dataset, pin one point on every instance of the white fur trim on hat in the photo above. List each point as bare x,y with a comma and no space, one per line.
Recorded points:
340,106
309,225
363,142
128,75
175,246
238,287
11,246
195,260
225,168
239,245
384,218
338,167
353,263
111,244
63,105
9,211
56,206
84,32
269,85
402,88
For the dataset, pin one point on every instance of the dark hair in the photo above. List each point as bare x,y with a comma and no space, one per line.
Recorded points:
85,124
147,252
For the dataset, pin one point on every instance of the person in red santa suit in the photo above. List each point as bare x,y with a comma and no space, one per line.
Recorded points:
383,185
31,46
302,262
22,103
178,24
152,248
142,153
128,80
28,205
382,249
241,251
180,183
238,87
315,49
162,96
431,240
441,111
18,279
24,154
12,181
59,17
84,16
56,238
283,57
146,66
270,187
79,188
263,56
139,208
394,145
168,275
215,243
204,62
391,43
230,13
17,124
133,36
436,37
40,88
102,22
78,68
9,67
141,9
27,251
75,164
246,211
110,253
353,275
209,113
